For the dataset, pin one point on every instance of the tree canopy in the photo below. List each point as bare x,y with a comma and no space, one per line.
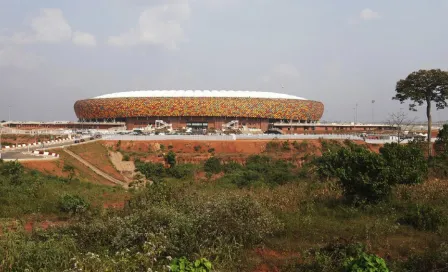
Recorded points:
424,87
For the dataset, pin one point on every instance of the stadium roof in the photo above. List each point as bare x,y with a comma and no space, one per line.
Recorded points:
200,93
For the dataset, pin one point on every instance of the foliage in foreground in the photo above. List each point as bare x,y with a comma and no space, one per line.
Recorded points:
424,217
368,177
341,256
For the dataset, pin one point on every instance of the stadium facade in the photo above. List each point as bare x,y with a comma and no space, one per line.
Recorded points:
199,109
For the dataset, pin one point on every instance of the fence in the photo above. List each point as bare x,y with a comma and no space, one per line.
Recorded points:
116,137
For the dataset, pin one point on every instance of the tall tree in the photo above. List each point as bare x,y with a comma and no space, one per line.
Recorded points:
424,86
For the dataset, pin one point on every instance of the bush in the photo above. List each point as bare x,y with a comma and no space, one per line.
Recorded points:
341,255
231,166
213,165
406,163
72,204
184,265
424,217
14,171
197,148
441,144
360,172
365,262
432,259
182,171
152,171
22,253
126,157
211,150
244,178
170,158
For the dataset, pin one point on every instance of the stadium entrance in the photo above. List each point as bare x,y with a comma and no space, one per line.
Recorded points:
198,127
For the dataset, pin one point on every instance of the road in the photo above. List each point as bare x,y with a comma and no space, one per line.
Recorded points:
18,154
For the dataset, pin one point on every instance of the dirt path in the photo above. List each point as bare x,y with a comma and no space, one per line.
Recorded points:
96,170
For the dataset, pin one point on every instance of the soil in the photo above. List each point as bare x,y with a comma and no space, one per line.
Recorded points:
96,154
55,168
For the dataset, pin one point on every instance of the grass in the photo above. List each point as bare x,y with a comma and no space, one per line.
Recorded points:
39,194
97,154
82,172
309,214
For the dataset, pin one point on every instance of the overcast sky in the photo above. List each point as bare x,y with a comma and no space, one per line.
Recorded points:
54,52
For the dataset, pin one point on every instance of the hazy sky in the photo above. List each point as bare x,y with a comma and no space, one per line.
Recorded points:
54,52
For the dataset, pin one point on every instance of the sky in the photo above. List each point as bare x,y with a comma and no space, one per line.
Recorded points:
342,53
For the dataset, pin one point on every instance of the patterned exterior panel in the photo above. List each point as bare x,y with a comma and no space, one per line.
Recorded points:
200,106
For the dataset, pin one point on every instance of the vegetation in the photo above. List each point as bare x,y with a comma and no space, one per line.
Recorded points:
350,213
70,169
170,159
424,87
424,217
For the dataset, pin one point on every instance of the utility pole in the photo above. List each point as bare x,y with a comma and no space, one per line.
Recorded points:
373,111
9,113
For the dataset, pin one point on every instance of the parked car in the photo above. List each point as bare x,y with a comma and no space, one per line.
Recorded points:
76,141
82,140
92,138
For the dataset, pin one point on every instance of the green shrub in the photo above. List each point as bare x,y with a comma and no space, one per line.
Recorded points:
170,147
126,157
170,159
162,147
244,178
360,172
73,204
213,165
184,265
13,171
182,171
231,166
211,150
424,217
365,262
152,171
48,253
441,144
406,164
197,148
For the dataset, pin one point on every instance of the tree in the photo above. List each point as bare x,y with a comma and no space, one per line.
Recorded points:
424,86
401,122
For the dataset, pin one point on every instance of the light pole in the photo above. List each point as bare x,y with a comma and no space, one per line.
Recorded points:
373,111
9,113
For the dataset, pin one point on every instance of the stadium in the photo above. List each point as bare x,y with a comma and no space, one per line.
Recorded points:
210,110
